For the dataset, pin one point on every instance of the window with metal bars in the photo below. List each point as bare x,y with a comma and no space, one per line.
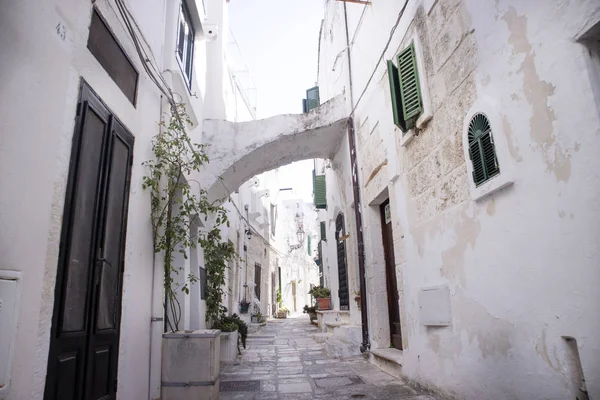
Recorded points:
185,43
481,150
405,89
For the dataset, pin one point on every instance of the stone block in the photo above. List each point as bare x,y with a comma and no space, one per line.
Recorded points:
191,365
450,154
419,147
229,341
424,175
448,40
461,63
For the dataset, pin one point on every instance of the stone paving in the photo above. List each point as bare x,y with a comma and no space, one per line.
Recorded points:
282,361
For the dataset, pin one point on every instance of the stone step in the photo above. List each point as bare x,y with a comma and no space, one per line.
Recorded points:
337,348
389,360
321,337
349,333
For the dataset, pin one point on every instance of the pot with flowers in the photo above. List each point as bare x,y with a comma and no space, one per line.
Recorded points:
323,296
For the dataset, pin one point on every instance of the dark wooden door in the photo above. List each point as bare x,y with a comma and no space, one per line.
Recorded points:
82,363
390,276
340,239
257,280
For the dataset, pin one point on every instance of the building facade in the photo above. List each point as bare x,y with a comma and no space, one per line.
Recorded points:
476,124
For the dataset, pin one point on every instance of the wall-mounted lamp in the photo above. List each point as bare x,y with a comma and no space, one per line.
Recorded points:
300,235
248,233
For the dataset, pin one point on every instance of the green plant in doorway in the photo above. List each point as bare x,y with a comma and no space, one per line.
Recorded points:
175,207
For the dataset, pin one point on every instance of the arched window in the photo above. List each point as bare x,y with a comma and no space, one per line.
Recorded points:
481,149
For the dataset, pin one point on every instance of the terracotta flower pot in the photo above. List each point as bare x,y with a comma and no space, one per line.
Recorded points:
324,303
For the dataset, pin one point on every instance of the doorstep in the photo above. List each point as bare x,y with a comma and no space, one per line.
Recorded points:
390,354
332,312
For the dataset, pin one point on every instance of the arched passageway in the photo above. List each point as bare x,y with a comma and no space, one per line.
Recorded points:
240,150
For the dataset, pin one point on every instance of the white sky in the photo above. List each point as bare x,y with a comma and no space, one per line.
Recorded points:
279,41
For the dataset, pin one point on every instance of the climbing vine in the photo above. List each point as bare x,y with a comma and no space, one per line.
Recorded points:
175,206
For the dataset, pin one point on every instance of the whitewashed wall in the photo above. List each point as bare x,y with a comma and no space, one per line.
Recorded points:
520,263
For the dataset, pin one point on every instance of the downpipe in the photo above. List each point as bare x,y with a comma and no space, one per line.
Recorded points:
365,345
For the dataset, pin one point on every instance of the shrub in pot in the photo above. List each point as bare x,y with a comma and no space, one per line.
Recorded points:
323,296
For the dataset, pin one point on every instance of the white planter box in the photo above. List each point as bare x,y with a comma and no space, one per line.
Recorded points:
229,342
190,365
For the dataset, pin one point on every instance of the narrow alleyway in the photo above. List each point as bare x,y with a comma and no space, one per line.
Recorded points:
282,361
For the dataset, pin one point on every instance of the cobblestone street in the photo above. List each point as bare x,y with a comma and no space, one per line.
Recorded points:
282,361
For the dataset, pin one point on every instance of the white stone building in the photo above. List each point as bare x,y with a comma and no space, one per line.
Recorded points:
490,240
83,110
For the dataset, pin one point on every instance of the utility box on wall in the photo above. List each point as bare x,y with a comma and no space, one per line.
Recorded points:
9,301
434,306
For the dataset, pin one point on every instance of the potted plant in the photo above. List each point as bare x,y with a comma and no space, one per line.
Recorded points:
187,356
282,312
357,298
233,330
244,306
323,296
311,311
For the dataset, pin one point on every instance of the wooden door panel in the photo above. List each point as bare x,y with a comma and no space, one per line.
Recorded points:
343,291
68,367
390,278
104,343
80,257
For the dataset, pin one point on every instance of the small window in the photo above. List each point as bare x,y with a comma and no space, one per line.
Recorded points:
323,231
319,191
185,43
104,46
312,100
481,150
405,89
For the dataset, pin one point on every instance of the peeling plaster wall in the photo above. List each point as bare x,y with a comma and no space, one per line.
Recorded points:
521,262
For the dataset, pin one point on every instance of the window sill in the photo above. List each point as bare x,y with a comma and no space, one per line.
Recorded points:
493,185
407,137
422,122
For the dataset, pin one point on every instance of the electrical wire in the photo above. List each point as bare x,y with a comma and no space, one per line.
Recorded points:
387,45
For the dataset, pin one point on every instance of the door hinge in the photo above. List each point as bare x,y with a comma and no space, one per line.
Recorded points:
131,160
116,384
78,111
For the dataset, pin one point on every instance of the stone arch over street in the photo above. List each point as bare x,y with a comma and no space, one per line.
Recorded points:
241,150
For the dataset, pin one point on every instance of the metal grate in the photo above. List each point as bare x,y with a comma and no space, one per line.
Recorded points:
239,386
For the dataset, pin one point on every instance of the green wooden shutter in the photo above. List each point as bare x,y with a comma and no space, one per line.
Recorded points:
320,193
323,231
309,252
394,78
410,89
481,150
312,98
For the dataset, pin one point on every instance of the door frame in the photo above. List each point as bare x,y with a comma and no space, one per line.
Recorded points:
391,279
87,95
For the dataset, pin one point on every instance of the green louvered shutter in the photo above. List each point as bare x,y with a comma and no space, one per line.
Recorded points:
320,194
312,98
410,89
323,231
309,252
481,150
394,78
